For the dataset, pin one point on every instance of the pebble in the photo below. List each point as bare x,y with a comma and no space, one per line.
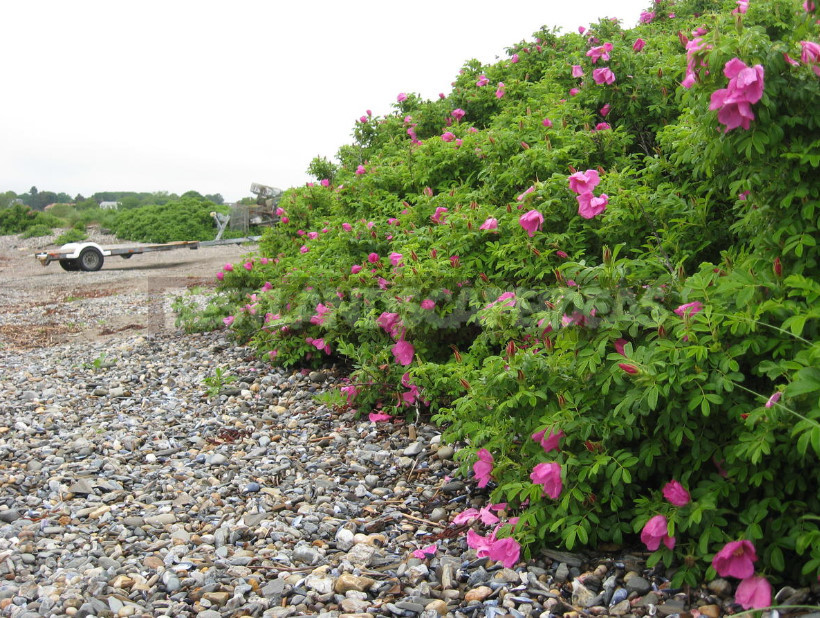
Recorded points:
157,500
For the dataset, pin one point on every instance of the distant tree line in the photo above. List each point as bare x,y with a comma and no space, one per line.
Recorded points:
38,200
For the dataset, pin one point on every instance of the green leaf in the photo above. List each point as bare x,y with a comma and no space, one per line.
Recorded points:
807,380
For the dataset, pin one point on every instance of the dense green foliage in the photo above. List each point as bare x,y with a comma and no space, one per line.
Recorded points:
186,219
18,219
572,326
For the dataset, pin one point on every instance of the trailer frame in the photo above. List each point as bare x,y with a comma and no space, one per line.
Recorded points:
89,256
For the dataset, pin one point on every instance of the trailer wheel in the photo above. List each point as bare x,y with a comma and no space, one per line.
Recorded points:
69,265
91,259
126,256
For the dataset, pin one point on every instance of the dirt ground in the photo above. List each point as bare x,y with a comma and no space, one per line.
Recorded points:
43,306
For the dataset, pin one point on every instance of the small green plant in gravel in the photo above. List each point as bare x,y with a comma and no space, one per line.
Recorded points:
217,382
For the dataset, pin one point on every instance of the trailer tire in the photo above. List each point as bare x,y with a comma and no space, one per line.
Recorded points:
126,256
91,259
69,265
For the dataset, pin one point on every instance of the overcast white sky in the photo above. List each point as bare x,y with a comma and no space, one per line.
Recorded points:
208,95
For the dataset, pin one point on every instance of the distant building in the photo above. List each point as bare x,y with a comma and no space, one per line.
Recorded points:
109,205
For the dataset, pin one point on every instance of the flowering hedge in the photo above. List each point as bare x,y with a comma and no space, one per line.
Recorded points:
595,264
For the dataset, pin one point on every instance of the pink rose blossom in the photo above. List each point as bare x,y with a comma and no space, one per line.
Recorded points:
810,52
438,216
228,267
355,269
521,197
483,468
736,559
403,352
638,45
647,17
514,59
547,122
391,323
548,475
631,369
656,531
395,258
619,346
373,258
600,52
482,81
428,304
401,97
590,206
458,113
689,309
467,516
573,91
447,137
506,551
531,221
549,443
426,552
499,93
675,493
754,593
491,223
577,70
220,275
604,111
734,103
379,417
773,399
584,182
304,249
228,320
603,76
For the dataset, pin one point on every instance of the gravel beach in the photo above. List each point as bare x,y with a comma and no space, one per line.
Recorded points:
135,485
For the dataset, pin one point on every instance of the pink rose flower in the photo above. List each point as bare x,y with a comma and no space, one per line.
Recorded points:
547,122
548,475
483,468
577,70
401,97
675,493
403,352
228,320
506,551
603,76
428,304
584,182
655,532
447,136
590,206
689,309
490,224
426,552
736,559
638,45
754,593
550,443
378,417
438,216
373,258
531,221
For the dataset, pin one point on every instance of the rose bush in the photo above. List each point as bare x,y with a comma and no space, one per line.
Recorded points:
643,292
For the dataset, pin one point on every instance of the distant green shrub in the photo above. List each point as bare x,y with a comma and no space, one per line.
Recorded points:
186,219
72,235
36,231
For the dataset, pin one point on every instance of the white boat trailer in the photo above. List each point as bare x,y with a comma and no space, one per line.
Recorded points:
89,256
